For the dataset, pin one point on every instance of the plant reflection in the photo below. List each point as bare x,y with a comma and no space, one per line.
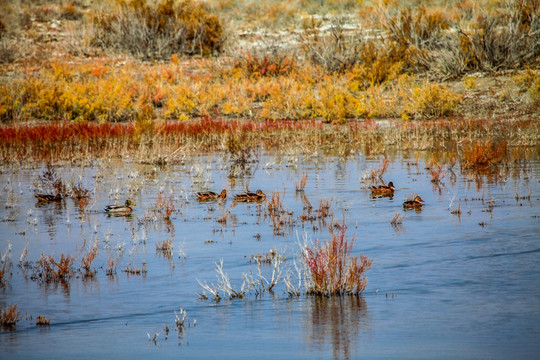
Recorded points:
338,321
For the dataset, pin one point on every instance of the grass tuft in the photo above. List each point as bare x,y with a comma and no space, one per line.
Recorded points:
333,270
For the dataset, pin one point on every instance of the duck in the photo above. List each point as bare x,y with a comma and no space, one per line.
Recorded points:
383,189
48,197
416,203
249,196
210,195
119,209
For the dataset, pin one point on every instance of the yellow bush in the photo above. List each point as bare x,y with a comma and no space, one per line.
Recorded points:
530,81
432,100
337,104
180,102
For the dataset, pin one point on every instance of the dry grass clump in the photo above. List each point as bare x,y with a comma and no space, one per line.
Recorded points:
9,315
301,184
79,191
529,81
88,258
164,206
377,174
157,31
52,183
334,51
414,32
136,270
484,156
50,270
43,321
5,269
165,247
333,270
274,63
112,264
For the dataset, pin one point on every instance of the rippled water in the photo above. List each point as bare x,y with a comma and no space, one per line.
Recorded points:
441,286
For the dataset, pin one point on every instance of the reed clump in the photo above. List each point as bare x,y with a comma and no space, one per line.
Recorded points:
164,206
87,260
9,316
51,270
43,321
52,183
485,156
332,268
300,185
5,268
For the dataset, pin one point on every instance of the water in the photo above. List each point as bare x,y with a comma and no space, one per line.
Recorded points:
441,286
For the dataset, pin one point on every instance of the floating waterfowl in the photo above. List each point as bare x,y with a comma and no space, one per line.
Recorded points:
210,195
120,209
383,189
416,203
48,197
249,196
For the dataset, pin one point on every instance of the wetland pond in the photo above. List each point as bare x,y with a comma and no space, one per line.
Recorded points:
442,285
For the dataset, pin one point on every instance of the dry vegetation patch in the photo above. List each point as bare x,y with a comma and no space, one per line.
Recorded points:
337,62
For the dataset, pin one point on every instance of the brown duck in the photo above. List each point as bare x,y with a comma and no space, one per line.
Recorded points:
210,195
48,197
415,203
383,189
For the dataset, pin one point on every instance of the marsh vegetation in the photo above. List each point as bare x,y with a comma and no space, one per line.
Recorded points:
294,112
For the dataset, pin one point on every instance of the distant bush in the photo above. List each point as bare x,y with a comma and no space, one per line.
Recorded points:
149,31
505,40
530,81
336,51
415,33
428,40
274,63
432,100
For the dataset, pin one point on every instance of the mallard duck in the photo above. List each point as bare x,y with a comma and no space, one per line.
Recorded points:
210,195
249,196
383,189
119,209
48,197
415,203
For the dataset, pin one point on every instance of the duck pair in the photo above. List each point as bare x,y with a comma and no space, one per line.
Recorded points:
388,190
243,197
250,196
